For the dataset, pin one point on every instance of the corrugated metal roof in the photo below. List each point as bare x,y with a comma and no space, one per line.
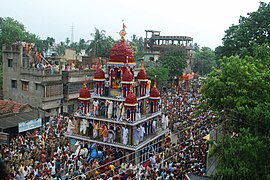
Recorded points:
12,120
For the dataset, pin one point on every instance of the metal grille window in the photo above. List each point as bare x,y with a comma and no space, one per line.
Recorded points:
54,90
14,84
74,88
10,62
25,85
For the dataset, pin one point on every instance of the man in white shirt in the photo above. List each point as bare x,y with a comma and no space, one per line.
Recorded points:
95,103
142,131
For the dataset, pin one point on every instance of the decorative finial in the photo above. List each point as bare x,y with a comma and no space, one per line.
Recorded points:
155,81
99,66
123,32
131,89
84,82
143,64
126,60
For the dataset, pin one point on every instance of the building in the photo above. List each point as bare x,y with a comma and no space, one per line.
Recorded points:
122,114
72,81
26,80
30,78
154,43
16,118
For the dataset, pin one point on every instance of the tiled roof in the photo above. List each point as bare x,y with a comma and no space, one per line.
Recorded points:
11,107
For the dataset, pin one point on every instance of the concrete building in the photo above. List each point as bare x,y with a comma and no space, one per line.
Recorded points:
31,79
73,81
154,43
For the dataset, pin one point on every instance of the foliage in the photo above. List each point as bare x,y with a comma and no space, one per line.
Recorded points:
138,46
245,157
239,91
101,45
13,31
251,30
161,73
240,87
174,60
204,61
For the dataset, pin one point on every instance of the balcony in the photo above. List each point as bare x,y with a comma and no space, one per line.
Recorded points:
40,72
103,118
78,75
52,98
146,140
11,49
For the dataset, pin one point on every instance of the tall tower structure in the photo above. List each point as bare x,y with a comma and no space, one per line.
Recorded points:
125,117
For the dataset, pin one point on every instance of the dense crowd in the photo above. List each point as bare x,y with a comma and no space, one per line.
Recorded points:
45,154
42,154
189,153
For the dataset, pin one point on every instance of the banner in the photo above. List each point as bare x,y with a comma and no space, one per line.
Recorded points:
28,125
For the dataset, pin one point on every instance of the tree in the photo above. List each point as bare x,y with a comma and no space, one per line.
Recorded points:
138,46
240,87
12,31
161,73
61,48
96,45
174,60
238,92
67,41
251,30
245,156
204,61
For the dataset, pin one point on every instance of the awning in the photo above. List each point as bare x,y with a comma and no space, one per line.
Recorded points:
10,120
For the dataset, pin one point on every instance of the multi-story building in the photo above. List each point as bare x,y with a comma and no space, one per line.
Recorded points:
122,114
30,78
26,81
154,43
72,85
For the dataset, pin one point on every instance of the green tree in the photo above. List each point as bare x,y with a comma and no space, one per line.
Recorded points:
61,48
138,46
161,73
238,92
254,29
96,45
244,157
107,44
67,41
204,61
174,60
12,31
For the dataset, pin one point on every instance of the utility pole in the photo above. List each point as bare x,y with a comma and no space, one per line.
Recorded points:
72,34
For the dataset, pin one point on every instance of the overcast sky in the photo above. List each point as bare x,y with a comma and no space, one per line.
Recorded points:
204,20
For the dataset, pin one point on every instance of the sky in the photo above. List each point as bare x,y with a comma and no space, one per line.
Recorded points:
203,20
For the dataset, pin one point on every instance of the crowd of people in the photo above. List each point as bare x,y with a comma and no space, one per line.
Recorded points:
45,153
41,154
189,153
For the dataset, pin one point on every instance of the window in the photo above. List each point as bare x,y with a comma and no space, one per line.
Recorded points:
14,84
10,62
74,88
25,85
54,90
36,86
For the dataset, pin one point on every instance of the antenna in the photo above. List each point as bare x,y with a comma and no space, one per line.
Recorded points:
72,33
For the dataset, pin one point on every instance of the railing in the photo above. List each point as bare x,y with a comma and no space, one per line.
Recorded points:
118,143
40,72
53,97
13,48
